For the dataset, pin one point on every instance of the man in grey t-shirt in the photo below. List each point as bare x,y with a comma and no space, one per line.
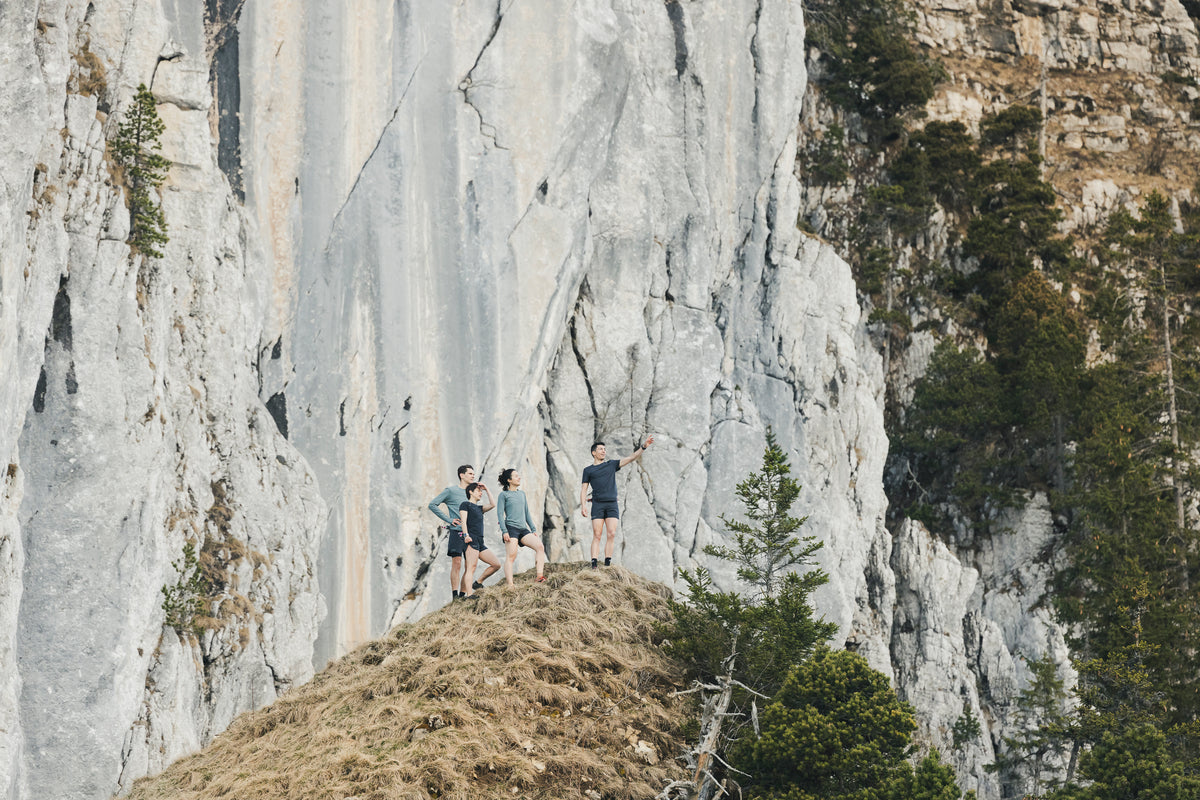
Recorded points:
453,497
601,478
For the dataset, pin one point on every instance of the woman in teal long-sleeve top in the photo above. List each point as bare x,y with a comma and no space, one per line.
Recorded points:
516,525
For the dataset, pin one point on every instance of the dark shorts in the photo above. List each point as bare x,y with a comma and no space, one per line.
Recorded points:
605,509
475,544
516,534
455,546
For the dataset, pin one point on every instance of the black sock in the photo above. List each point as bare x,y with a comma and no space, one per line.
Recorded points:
593,563
608,562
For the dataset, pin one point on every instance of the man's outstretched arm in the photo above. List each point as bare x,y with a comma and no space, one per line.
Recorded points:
629,459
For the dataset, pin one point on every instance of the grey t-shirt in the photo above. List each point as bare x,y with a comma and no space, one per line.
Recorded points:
512,511
603,480
453,497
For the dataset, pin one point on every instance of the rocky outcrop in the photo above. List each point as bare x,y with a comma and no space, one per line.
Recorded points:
131,421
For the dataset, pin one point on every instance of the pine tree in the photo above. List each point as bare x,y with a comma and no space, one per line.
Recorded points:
1039,345
930,780
740,647
766,548
835,730
136,147
1045,730
1132,764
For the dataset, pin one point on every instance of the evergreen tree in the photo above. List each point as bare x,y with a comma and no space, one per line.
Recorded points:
930,780
954,435
835,730
766,548
1014,230
740,647
755,637
871,66
1039,346
136,147
1036,753
1132,764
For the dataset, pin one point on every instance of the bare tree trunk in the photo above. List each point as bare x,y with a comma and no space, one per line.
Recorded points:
715,710
1044,106
1072,762
1172,407
1173,420
1060,453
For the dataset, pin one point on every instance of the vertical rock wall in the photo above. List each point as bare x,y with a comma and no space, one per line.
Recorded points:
519,226
130,419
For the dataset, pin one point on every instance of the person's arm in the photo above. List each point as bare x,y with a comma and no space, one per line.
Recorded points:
434,506
583,500
629,459
490,502
462,519
502,512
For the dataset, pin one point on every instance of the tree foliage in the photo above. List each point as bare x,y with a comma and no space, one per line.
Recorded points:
1132,764
136,147
871,67
755,636
836,730
766,548
185,600
1033,756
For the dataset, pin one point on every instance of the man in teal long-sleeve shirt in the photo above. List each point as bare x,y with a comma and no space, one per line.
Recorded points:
453,497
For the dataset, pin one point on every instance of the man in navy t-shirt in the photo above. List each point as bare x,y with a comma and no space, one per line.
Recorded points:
601,476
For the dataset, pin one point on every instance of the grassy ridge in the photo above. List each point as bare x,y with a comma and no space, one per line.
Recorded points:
553,690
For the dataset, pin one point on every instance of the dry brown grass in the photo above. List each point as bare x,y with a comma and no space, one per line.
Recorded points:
553,690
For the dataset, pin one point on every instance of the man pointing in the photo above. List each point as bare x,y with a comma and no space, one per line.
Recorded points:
601,477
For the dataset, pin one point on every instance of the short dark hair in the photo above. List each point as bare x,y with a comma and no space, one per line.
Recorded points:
597,444
463,469
471,487
506,476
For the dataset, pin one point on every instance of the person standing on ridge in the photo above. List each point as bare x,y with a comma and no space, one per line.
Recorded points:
471,513
601,476
456,547
516,525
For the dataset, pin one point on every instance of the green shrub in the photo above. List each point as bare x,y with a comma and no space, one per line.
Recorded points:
825,158
872,68
184,601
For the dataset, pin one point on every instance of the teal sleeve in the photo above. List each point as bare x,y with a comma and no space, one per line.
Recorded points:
435,503
529,518
502,510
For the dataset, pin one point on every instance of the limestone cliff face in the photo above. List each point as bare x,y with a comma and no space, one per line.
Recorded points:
131,421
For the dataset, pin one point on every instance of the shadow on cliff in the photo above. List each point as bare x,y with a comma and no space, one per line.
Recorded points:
554,690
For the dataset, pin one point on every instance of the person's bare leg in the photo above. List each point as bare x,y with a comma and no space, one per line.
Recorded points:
510,555
472,560
539,552
597,530
610,543
489,558
455,568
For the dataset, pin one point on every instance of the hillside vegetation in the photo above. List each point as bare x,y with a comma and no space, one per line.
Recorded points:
1030,267
553,690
